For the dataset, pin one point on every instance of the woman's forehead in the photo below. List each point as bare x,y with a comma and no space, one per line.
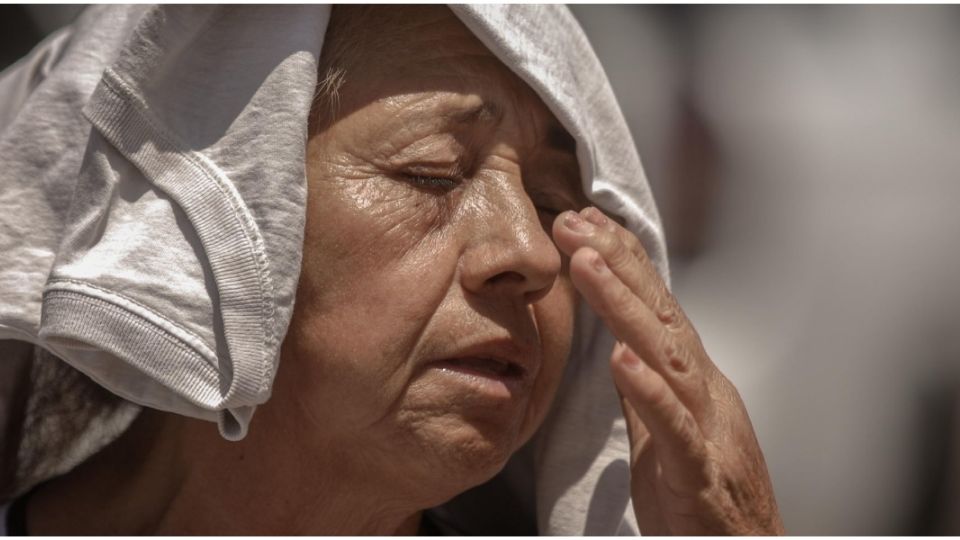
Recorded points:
406,49
385,34
423,68
425,84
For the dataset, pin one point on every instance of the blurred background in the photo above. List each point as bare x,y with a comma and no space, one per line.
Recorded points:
806,162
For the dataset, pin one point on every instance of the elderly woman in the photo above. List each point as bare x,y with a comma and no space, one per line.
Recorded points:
442,370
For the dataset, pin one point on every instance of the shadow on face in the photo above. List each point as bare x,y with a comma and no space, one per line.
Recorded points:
434,313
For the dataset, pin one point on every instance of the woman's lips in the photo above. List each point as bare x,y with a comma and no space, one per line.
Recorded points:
486,367
497,378
493,369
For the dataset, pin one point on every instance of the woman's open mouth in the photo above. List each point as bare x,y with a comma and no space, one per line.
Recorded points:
488,367
494,376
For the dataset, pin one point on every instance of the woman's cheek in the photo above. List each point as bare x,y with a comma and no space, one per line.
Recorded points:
555,316
391,217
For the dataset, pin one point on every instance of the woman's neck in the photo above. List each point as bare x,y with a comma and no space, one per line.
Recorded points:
173,475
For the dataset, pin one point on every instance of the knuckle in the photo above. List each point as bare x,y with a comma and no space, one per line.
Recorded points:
706,469
668,313
666,307
679,363
674,356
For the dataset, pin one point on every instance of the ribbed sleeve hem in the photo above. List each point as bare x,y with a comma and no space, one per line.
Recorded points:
152,358
227,231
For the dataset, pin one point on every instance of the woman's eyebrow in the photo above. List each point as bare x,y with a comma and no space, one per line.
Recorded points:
487,112
447,116
490,112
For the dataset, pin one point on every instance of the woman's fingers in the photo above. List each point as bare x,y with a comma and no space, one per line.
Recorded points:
676,437
626,257
574,231
698,460
632,321
626,316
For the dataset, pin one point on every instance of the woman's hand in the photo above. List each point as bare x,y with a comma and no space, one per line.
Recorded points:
696,466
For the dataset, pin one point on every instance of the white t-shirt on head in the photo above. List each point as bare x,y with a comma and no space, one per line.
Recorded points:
151,222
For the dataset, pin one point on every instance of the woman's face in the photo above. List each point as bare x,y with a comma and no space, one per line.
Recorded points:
434,313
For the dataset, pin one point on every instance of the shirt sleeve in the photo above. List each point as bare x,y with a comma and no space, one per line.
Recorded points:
18,81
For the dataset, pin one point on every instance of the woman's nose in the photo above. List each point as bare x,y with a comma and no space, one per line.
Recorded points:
509,253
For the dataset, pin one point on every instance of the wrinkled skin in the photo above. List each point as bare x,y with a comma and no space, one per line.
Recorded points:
431,189
433,192
696,466
440,222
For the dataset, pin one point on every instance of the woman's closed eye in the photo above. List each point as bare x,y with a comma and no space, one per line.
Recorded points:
550,205
440,184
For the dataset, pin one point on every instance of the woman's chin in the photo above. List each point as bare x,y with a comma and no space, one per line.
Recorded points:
455,453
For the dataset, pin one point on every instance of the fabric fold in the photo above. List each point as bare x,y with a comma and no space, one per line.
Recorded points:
152,206
236,219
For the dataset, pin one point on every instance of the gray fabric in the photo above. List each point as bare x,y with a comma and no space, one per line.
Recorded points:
546,47
152,210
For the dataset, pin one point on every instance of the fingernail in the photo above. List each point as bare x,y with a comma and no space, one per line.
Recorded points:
575,223
595,216
599,265
630,360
